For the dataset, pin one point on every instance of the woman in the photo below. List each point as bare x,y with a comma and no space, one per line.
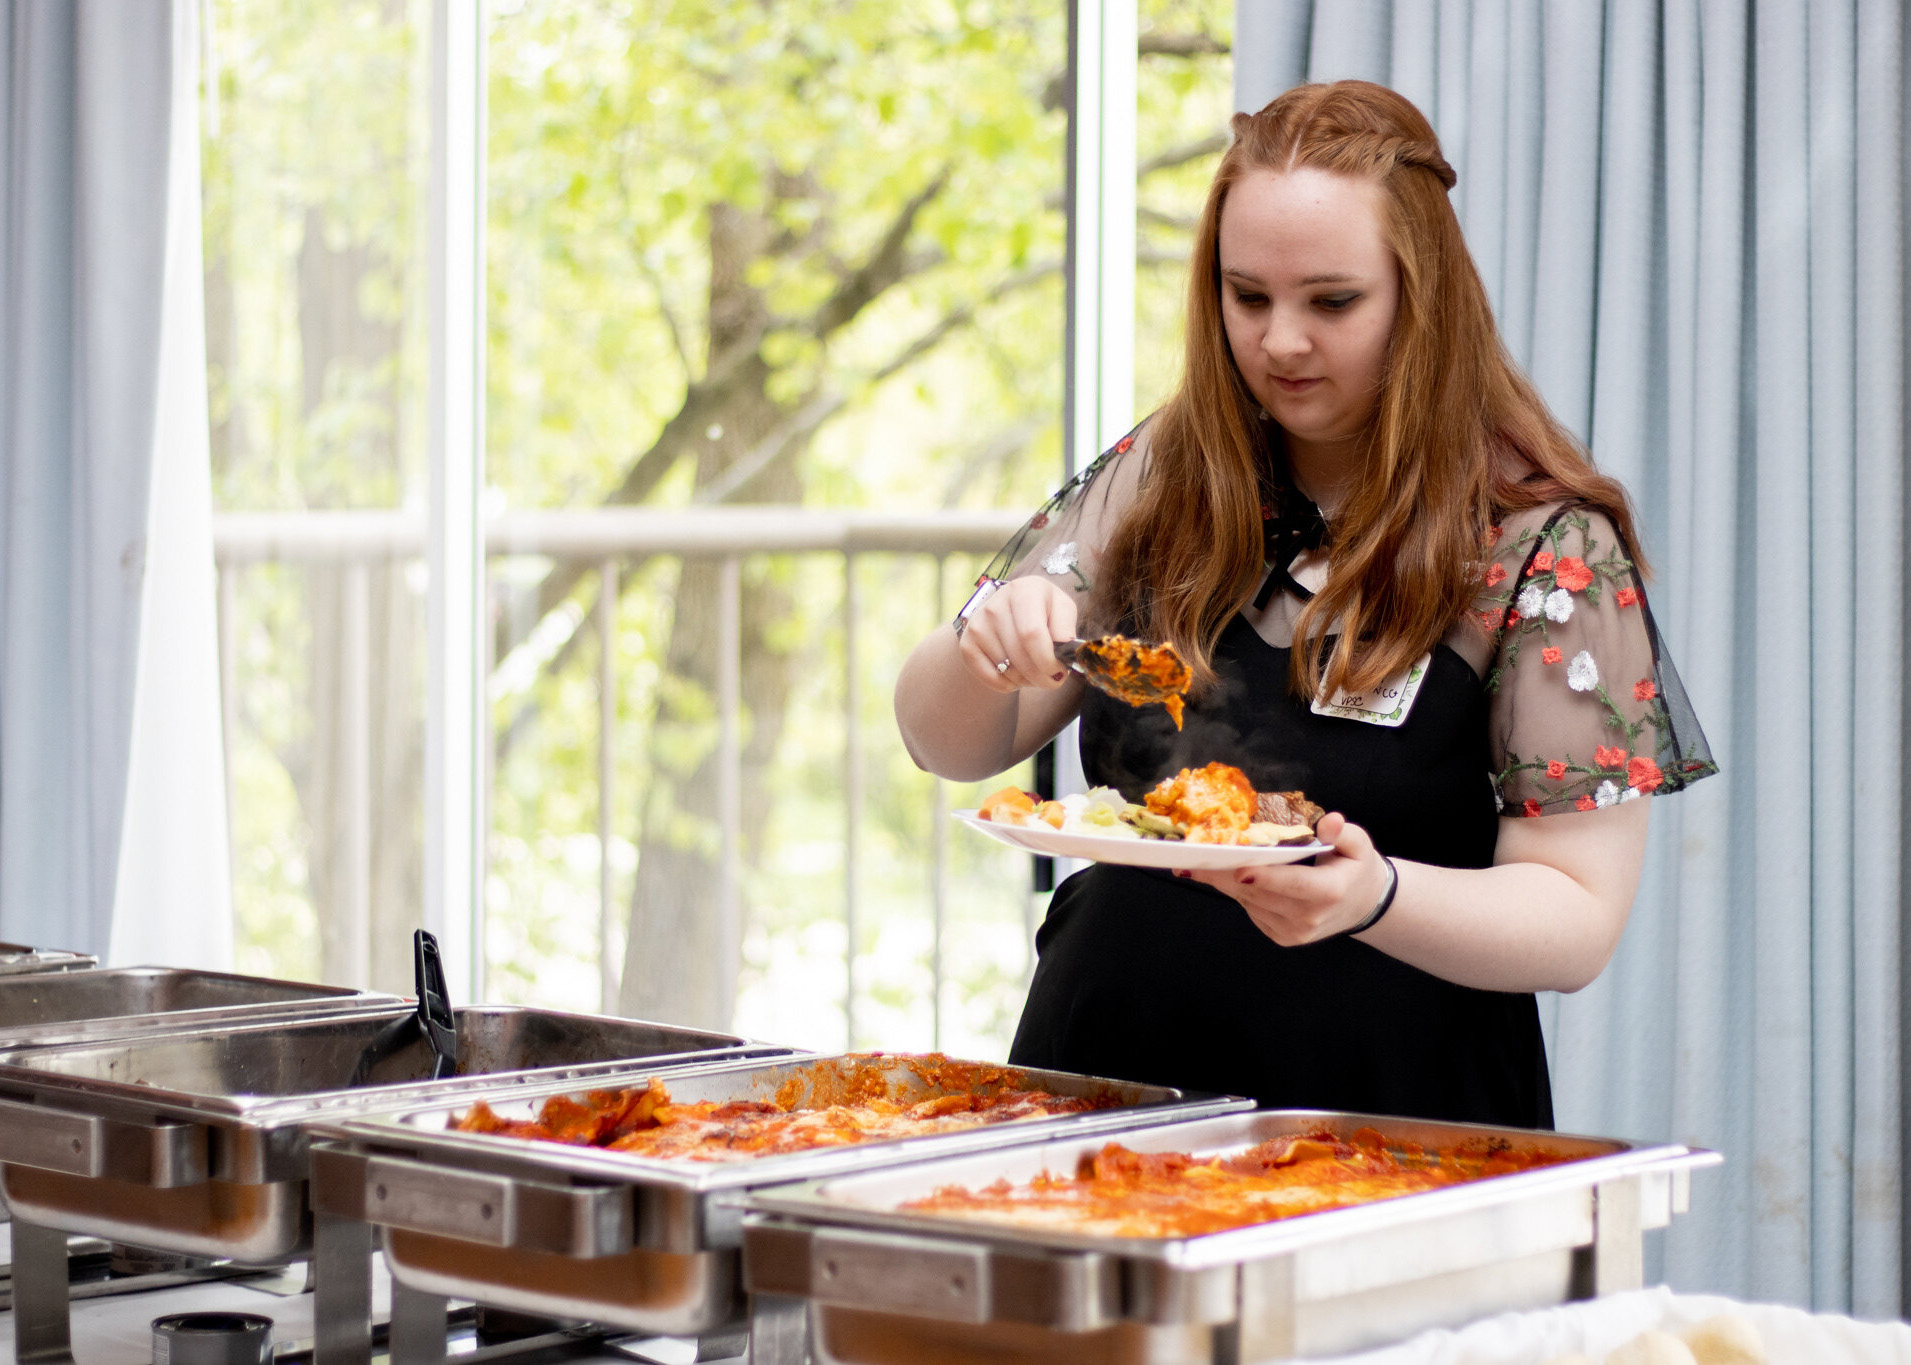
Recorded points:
1352,495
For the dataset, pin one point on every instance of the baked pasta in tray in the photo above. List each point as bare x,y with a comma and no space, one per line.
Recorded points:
1119,1192
833,1103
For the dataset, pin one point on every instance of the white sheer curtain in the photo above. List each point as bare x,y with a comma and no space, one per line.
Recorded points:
1690,218
112,819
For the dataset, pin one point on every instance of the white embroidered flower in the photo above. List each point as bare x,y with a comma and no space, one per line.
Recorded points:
1532,601
1629,794
1606,795
1060,559
1559,605
1582,674
1499,802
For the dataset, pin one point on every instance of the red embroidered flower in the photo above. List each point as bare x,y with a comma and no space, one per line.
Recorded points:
1644,774
1572,574
1267,513
1489,621
1644,690
1512,618
1531,809
1542,562
1627,597
1556,769
1495,575
1493,534
1550,655
1121,446
1038,521
1586,803
1609,756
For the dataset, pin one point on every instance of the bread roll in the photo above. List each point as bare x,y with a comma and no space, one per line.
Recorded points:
1725,1340
1652,1348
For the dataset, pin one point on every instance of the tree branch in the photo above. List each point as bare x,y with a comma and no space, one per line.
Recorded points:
886,264
985,455
1182,45
962,315
1182,155
817,409
1180,222
1055,88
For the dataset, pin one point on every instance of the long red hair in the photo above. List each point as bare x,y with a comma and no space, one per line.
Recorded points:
1458,436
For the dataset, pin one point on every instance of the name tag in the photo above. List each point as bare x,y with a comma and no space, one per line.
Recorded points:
1386,705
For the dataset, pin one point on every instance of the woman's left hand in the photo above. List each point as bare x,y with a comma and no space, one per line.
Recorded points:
1295,904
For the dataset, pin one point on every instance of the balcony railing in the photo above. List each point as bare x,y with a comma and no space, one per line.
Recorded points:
605,540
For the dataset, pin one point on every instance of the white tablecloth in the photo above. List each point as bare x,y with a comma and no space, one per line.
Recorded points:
1791,1336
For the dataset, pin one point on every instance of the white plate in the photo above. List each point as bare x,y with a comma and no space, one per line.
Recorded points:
1103,848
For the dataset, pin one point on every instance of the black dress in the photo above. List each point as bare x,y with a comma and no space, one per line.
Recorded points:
1149,977
1571,706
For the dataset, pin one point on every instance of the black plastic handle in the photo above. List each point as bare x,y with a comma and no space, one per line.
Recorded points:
435,1018
432,1019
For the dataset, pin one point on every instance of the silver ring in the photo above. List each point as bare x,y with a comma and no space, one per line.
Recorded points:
1002,667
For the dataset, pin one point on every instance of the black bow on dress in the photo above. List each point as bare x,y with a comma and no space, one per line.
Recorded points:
1297,528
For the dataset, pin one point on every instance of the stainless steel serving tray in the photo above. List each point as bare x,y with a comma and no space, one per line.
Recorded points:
884,1284
194,1139
73,1006
638,1242
18,957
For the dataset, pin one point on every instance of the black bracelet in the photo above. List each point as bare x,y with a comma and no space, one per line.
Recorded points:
1386,902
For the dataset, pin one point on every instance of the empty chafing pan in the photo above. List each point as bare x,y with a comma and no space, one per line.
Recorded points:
50,1007
640,1243
16,958
193,1140
883,1284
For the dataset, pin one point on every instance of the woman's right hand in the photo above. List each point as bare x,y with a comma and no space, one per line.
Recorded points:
1009,642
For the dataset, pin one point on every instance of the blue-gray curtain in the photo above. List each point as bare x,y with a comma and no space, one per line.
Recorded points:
1690,216
86,93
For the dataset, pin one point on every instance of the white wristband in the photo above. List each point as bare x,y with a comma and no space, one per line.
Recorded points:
984,589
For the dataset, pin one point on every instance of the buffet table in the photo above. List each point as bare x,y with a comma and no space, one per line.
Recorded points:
584,1176
115,1331
1593,1328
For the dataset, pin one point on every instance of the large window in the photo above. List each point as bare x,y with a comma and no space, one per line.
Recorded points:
809,257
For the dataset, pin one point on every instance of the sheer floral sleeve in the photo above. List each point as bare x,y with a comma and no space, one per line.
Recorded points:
1586,709
1064,538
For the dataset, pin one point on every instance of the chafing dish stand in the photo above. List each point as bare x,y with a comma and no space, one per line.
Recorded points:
886,1286
633,1242
195,1140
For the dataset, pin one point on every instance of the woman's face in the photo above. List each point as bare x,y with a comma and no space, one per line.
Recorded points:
1309,288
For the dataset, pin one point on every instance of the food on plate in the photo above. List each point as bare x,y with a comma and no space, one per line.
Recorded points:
828,1104
1099,810
1138,674
1287,808
1212,805
1119,1192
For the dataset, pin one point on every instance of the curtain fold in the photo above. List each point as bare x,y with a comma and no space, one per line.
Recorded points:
1689,216
102,397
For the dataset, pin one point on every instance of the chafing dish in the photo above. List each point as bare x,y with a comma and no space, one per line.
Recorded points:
883,1284
639,1243
193,1140
17,957
50,1007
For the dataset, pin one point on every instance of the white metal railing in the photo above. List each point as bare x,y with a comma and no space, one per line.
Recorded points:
605,538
